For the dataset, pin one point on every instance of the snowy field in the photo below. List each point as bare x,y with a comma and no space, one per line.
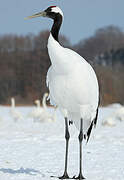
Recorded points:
35,151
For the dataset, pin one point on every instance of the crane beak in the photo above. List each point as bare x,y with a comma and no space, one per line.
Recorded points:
43,14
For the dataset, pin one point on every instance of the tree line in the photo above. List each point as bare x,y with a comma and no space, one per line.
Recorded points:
24,62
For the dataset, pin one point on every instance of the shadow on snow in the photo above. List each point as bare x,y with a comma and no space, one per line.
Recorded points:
28,171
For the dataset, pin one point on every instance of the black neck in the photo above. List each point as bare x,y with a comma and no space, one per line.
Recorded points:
56,26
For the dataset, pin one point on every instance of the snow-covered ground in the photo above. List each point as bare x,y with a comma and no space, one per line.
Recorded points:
35,151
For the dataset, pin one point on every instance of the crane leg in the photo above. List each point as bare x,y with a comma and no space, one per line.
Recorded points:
80,137
67,137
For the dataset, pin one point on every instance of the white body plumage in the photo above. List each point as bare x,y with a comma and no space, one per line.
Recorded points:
72,83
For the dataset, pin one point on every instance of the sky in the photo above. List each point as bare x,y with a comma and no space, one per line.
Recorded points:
81,17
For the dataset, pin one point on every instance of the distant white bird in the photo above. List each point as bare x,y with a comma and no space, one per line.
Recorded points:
45,96
72,84
119,114
46,116
16,115
109,121
41,114
37,111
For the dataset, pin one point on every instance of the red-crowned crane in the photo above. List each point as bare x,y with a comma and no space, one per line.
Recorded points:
73,85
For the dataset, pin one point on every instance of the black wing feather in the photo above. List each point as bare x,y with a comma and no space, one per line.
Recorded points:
89,131
95,120
92,123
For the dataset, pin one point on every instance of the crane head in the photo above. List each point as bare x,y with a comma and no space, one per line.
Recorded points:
50,12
